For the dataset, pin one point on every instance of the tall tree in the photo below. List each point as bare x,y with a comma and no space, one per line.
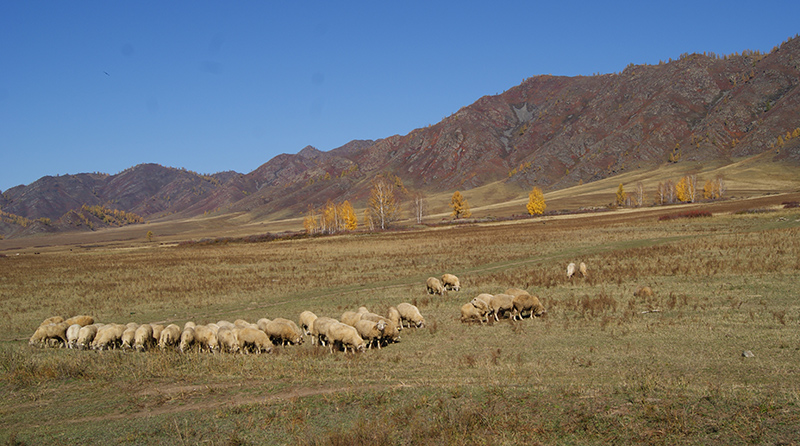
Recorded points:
621,195
419,203
382,201
459,205
639,194
349,219
536,204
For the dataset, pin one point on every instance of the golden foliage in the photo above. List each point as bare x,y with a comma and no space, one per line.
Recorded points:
536,204
460,206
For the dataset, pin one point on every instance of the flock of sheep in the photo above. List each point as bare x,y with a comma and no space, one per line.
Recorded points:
355,331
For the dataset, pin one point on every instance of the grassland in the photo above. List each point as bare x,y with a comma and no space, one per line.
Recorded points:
602,367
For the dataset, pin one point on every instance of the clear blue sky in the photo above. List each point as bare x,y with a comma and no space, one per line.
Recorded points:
215,85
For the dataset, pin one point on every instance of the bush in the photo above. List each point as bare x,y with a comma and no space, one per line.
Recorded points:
687,214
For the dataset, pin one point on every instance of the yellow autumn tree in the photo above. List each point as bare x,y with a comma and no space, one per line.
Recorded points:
460,206
621,195
349,219
681,190
310,222
536,204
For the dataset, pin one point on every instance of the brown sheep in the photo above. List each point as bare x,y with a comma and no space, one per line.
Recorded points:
434,286
80,320
469,313
643,291
524,302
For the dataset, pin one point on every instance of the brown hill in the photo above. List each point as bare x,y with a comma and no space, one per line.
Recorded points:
549,131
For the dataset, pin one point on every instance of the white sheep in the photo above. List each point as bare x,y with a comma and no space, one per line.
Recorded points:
225,324
470,313
128,338
205,336
570,270
189,324
143,337
481,302
157,329
501,304
583,270
170,336
343,336
187,338
262,324
370,332
434,286
46,332
284,331
451,282
410,313
86,336
319,329
72,335
307,319
351,317
228,342
80,320
108,336
393,315
255,340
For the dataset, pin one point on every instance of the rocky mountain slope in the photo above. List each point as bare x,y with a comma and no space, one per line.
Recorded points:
548,131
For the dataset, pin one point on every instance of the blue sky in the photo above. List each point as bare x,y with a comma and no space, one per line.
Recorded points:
101,86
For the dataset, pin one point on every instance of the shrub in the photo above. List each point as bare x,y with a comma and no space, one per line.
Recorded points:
687,214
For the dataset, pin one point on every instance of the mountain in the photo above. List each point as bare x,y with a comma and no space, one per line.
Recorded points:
550,131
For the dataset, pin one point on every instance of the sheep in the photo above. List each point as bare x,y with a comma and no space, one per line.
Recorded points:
394,316
283,331
524,301
72,335
410,313
80,320
469,313
50,331
344,336
187,338
570,270
351,317
451,282
582,269
262,324
108,336
143,337
205,336
227,339
434,286
481,302
86,336
501,303
226,324
170,336
241,323
370,332
643,291
128,338
189,324
319,329
390,333
157,328
255,339
307,319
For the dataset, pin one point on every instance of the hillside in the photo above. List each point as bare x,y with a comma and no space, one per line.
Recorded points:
550,131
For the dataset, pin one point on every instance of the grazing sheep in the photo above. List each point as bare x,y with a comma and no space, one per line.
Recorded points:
241,323
205,336
170,336
108,336
501,304
582,269
225,324
320,328
351,317
372,317
86,336
390,333
255,340
143,338
470,313
228,342
157,329
80,320
52,320
128,337
363,309
284,331
262,324
72,335
570,270
394,316
50,331
451,282
307,319
410,313
481,302
343,336
524,302
187,339
643,291
434,286
370,332
189,324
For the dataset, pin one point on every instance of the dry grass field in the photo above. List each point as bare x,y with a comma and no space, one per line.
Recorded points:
601,367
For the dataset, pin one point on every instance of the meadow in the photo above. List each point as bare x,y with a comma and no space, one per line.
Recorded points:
601,367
